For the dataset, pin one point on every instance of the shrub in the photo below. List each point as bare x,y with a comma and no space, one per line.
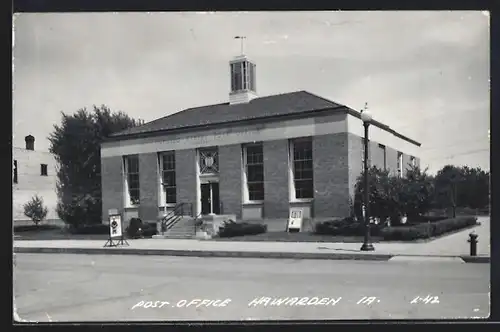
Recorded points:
345,227
149,229
134,229
231,229
426,230
35,210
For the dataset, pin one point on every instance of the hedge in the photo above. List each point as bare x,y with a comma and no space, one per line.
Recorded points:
231,229
146,229
31,228
90,229
426,230
344,227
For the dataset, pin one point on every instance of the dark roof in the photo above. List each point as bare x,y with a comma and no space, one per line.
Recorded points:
286,104
263,107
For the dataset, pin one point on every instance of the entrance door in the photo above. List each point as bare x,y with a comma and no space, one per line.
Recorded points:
210,203
215,198
206,204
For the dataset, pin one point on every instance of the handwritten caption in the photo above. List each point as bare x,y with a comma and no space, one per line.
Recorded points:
183,304
273,302
429,299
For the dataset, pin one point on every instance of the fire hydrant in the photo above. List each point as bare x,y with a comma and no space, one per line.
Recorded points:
473,243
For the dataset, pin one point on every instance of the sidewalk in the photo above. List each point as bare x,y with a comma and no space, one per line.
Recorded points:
454,245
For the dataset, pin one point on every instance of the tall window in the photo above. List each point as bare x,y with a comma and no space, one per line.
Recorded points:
15,171
43,169
236,77
254,168
132,179
242,76
400,164
167,167
302,168
384,155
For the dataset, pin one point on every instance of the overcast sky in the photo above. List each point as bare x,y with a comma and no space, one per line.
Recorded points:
425,74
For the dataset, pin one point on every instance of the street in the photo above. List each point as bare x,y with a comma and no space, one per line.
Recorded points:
61,287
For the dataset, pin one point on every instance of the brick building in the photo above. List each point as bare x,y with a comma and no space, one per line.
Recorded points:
253,157
34,173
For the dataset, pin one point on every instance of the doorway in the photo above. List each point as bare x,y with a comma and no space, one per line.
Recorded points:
210,203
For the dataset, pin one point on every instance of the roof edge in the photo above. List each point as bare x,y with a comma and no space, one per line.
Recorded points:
385,127
229,123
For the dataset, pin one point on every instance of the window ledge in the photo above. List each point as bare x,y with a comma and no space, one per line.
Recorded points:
169,205
131,207
301,200
253,203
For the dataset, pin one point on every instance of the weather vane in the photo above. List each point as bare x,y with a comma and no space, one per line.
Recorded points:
241,38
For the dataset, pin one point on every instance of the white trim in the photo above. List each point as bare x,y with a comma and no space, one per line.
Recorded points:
400,169
291,172
127,201
381,136
198,182
162,194
267,132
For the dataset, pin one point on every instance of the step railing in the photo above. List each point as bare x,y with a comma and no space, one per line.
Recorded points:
197,222
173,217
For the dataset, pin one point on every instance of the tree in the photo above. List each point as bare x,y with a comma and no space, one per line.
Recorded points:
383,198
417,190
35,210
447,185
75,144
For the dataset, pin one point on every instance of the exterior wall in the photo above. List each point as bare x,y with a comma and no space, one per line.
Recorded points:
355,161
376,155
269,131
149,187
112,186
337,164
186,177
331,176
276,195
230,184
392,160
31,182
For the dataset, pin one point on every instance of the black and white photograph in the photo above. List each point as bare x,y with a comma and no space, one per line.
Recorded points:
251,166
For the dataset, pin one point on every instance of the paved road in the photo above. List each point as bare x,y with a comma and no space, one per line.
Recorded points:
57,287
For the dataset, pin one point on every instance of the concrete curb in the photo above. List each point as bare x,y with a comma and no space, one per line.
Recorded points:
476,259
201,253
236,254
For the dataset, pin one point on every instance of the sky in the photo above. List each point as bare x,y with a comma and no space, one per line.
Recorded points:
425,74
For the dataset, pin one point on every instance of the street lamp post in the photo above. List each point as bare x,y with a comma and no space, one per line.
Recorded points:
367,244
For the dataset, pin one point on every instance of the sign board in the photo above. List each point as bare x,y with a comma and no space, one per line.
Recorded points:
295,220
115,226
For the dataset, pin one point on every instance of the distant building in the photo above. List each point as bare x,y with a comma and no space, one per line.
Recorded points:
253,157
34,172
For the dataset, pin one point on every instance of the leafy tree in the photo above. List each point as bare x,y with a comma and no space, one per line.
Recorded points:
416,192
76,146
447,184
383,198
35,210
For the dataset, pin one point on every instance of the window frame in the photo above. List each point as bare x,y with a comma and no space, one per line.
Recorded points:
246,188
16,172
161,177
400,164
127,181
293,169
44,170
